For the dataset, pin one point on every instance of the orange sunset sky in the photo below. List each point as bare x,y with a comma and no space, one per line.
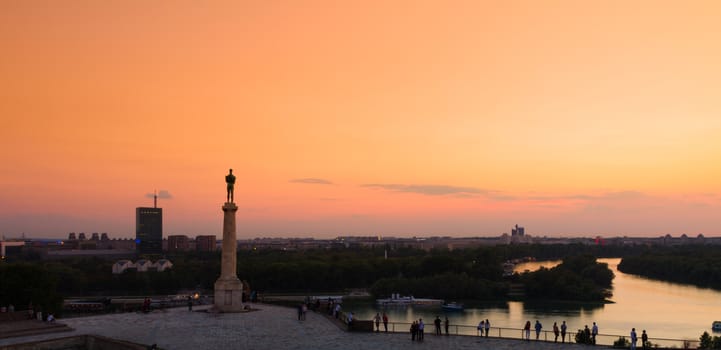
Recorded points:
393,118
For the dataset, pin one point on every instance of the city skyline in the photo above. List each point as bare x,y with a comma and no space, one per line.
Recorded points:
362,118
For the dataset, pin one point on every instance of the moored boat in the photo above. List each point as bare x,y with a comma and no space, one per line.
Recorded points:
397,299
452,307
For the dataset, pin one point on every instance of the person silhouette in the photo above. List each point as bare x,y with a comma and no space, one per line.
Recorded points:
230,180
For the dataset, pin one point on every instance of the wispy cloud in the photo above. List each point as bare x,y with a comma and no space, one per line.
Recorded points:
311,180
608,196
164,194
430,190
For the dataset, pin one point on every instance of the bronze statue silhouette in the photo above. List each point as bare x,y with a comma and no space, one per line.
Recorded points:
230,180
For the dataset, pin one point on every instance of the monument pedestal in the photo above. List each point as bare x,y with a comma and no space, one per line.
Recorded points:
228,288
228,295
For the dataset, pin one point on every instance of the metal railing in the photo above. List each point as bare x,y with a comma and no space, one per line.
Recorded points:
545,336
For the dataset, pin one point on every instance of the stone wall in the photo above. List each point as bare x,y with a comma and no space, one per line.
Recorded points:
81,342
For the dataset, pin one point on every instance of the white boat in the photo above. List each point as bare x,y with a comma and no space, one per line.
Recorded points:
452,307
397,299
716,326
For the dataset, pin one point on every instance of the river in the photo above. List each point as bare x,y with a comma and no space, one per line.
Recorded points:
664,310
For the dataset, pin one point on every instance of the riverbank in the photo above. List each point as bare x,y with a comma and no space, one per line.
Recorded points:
271,327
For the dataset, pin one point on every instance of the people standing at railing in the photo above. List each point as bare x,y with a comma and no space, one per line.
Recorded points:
378,321
446,324
563,332
594,333
634,339
481,327
350,321
644,339
437,323
586,335
527,330
488,327
385,321
555,332
414,330
538,327
421,327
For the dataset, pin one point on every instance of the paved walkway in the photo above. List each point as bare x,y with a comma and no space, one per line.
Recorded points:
271,327
30,327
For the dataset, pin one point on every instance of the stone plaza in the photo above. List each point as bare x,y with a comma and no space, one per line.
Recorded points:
268,327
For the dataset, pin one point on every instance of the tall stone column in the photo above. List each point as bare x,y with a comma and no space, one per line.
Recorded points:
228,288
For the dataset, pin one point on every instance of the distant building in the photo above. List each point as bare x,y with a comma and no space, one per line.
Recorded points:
178,243
149,230
518,231
205,243
518,235
13,247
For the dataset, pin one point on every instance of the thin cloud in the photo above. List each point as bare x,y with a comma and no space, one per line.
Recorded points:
429,190
620,195
163,194
311,180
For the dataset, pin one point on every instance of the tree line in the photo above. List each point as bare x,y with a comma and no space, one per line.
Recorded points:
578,278
698,265
441,273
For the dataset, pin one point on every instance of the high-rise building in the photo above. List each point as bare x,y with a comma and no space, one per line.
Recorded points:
149,230
518,231
178,243
205,243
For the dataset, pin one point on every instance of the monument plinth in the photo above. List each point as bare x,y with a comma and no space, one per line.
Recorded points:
228,288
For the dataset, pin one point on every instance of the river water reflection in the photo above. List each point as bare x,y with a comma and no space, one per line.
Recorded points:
664,310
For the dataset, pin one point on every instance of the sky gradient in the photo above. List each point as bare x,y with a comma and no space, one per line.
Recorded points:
391,118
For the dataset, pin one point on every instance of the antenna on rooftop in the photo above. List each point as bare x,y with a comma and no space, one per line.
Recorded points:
155,198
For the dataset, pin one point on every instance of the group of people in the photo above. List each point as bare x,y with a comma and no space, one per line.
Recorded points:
527,330
378,318
417,329
562,331
333,307
484,326
438,322
588,335
634,339
33,313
